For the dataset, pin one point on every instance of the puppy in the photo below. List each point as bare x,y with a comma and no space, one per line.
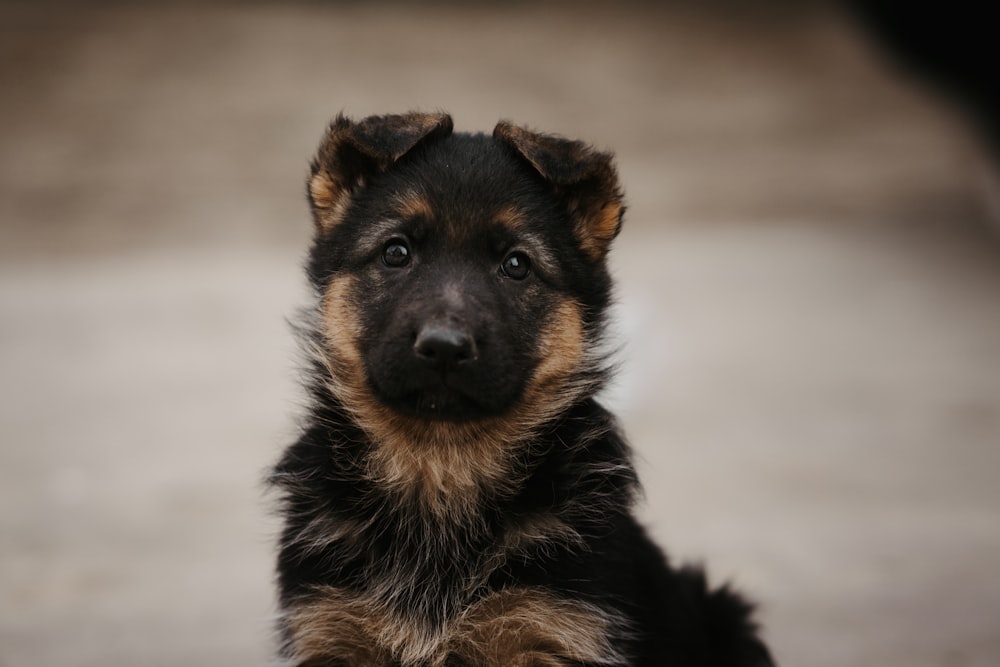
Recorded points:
457,496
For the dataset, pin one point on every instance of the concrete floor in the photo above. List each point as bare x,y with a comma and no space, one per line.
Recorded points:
809,287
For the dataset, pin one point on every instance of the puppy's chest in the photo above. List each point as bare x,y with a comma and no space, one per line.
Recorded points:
512,626
430,601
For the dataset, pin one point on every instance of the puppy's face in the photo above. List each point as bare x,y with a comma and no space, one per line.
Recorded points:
450,294
461,282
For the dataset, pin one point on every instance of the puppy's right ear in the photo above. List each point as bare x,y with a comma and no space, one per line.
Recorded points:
351,152
585,180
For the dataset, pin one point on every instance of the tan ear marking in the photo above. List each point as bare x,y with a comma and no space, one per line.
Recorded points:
329,201
598,231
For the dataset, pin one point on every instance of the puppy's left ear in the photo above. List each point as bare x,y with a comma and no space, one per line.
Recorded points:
352,152
584,178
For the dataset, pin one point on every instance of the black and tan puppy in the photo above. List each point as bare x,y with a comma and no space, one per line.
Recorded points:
457,496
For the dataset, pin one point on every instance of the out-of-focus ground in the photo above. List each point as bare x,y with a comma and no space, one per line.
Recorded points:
809,287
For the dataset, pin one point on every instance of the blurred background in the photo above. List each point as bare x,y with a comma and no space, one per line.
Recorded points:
809,287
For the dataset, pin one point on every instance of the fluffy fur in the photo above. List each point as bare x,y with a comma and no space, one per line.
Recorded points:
457,496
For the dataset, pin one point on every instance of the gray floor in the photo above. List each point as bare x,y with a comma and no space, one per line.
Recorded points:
809,288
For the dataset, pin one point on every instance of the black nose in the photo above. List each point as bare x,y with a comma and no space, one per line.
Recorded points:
444,346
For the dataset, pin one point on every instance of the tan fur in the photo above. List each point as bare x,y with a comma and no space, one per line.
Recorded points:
596,232
560,350
324,191
531,627
513,627
330,198
445,466
413,205
336,625
511,218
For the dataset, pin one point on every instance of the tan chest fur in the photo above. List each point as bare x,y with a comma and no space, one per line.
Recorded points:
517,627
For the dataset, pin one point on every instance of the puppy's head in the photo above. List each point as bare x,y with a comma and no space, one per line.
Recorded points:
462,277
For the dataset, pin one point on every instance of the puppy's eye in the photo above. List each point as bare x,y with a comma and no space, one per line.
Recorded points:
516,265
396,253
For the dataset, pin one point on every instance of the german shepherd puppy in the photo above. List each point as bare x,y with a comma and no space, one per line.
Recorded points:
457,496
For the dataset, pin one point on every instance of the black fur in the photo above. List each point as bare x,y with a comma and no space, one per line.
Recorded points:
452,336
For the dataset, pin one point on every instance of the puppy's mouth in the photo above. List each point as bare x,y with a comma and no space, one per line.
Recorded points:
435,398
440,404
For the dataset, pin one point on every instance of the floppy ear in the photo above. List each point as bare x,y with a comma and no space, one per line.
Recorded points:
586,180
351,152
